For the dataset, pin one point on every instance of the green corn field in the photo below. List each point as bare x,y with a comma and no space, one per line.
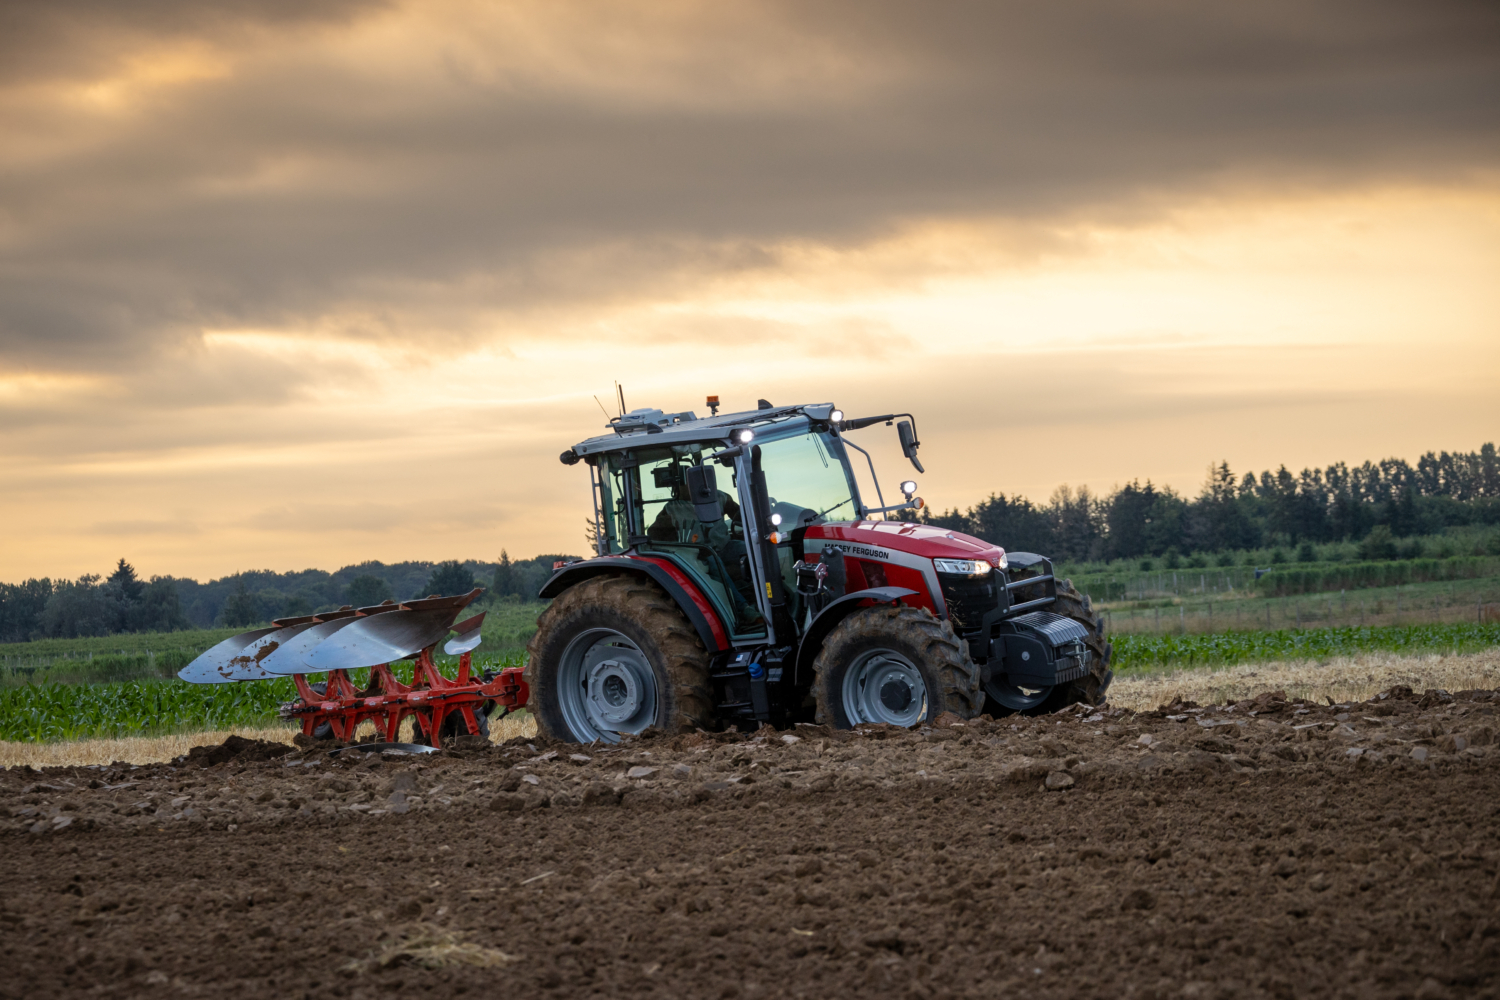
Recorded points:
52,711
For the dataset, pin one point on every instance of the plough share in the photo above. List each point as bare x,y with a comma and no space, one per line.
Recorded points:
335,643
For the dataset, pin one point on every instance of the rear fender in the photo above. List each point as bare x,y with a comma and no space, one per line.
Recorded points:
829,618
669,577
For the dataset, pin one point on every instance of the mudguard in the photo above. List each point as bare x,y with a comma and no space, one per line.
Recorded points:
673,580
829,618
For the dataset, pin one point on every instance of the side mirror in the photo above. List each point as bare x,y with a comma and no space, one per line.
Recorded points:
909,443
703,490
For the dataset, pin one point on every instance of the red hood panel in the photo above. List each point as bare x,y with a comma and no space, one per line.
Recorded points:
919,539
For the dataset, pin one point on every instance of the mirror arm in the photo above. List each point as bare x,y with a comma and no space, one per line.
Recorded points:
863,510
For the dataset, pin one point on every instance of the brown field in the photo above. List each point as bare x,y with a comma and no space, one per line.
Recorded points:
1266,849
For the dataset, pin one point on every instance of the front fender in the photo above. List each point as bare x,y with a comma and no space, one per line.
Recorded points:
829,618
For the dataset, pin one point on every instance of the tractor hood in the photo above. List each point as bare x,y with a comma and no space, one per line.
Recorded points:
925,540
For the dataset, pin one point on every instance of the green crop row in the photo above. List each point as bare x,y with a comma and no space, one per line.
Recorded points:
44,712
54,711
1289,580
1191,649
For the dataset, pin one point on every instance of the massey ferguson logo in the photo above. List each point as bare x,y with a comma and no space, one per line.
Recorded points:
860,550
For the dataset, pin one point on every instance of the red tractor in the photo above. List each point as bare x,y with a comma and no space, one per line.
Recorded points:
740,578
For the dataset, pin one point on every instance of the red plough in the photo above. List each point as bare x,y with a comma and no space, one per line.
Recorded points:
429,699
335,643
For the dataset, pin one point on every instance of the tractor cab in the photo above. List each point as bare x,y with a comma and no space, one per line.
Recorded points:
694,503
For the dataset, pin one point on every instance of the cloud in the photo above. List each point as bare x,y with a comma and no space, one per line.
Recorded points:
430,171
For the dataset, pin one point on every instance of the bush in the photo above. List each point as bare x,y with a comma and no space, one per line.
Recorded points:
450,578
1378,544
1306,553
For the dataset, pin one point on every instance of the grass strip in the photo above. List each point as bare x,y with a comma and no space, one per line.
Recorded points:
1146,650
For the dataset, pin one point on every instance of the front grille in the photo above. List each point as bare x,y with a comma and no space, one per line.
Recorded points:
969,598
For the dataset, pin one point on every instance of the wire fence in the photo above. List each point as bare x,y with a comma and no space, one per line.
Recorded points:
1358,609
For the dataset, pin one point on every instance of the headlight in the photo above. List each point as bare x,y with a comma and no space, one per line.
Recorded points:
1004,561
744,437
837,417
962,567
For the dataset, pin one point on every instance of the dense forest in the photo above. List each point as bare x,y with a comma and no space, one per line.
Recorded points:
1377,504
123,602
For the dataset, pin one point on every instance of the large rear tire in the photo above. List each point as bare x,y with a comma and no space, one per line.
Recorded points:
1088,689
614,654
897,665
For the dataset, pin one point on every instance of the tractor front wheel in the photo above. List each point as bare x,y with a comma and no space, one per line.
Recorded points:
894,664
614,655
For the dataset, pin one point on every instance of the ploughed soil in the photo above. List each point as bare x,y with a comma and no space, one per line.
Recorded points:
1270,848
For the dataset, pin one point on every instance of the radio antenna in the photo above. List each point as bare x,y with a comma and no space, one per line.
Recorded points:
601,408
620,392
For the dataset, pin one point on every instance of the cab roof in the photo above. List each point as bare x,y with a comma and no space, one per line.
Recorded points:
657,429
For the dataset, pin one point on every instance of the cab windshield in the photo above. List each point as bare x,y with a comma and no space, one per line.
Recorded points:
806,480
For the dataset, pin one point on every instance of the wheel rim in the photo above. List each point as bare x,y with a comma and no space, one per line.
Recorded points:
1017,699
881,685
605,687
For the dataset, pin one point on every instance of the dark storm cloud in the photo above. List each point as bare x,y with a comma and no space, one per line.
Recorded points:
59,39
298,188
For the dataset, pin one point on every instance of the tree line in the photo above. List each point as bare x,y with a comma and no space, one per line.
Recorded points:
93,605
1373,503
1376,501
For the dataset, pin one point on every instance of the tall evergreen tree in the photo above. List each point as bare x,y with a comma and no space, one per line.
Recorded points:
242,609
504,582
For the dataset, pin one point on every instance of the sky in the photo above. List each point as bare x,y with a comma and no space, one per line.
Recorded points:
300,284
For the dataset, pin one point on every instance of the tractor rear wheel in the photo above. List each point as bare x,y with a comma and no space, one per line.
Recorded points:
897,665
614,655
1088,689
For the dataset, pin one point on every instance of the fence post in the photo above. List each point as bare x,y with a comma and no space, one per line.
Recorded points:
1182,618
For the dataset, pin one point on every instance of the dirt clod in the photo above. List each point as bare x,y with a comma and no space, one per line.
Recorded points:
238,750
